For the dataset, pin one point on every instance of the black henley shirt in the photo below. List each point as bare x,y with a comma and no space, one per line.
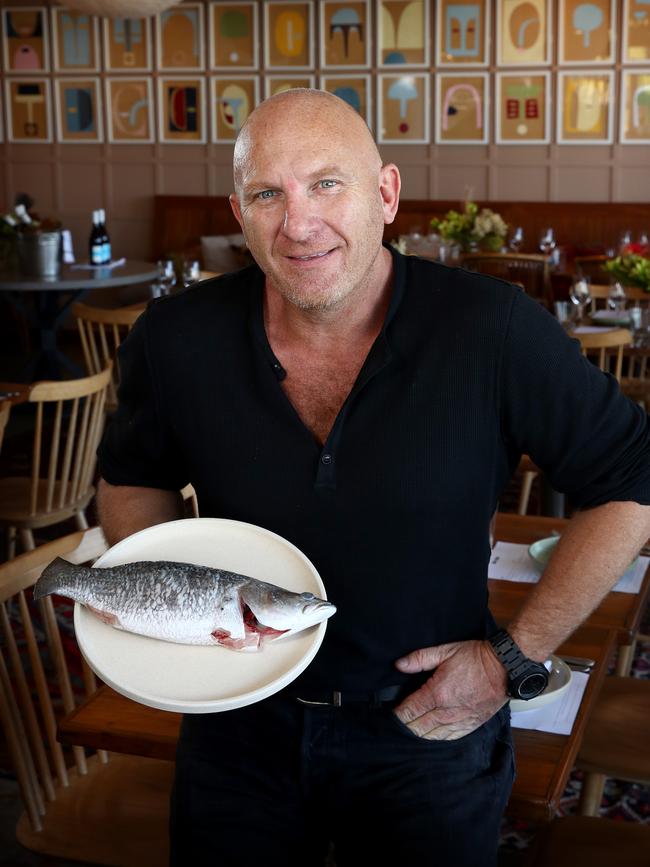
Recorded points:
466,375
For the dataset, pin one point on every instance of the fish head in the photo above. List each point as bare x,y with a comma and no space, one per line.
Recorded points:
274,611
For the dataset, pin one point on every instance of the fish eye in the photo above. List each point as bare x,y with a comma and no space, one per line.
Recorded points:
307,596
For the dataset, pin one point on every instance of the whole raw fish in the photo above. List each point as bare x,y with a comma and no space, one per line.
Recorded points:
185,603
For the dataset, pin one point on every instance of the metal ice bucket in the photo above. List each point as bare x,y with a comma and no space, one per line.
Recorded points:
40,255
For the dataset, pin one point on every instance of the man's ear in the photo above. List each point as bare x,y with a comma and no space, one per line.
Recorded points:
390,184
234,204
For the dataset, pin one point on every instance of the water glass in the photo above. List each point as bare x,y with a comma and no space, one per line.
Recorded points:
580,295
563,313
640,323
547,242
191,272
616,298
517,240
166,275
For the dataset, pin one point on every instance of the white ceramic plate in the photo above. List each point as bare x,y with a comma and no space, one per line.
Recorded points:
559,679
609,317
190,679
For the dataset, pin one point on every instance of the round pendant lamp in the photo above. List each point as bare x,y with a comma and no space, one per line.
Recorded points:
120,8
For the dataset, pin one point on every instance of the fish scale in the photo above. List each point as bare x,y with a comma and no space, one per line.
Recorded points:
186,603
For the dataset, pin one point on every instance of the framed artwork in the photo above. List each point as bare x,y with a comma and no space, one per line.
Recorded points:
402,32
127,44
289,34
403,108
279,83
25,43
27,106
523,107
75,38
635,106
181,110
129,110
344,34
234,35
353,89
232,99
523,32
636,31
584,110
587,32
463,33
462,108
179,38
77,103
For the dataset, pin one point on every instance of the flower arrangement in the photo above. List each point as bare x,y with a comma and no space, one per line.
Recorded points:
472,228
632,267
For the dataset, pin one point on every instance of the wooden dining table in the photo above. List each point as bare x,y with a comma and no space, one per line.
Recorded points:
110,721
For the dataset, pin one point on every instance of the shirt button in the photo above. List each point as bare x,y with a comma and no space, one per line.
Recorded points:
326,459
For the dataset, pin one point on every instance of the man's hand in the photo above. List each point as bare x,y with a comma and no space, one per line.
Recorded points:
467,687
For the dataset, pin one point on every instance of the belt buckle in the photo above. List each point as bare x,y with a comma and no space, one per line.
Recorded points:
336,700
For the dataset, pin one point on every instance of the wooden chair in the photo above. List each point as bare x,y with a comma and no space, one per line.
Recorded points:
600,293
5,410
67,429
101,332
591,267
528,270
615,740
579,840
95,809
605,348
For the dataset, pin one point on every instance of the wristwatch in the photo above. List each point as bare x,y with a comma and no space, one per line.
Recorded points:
526,678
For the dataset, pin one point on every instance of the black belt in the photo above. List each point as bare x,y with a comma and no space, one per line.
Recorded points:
338,698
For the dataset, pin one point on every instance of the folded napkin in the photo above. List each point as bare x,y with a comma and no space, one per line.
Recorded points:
558,716
512,562
592,329
86,266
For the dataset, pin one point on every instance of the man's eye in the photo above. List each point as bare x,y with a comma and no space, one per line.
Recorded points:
328,183
266,194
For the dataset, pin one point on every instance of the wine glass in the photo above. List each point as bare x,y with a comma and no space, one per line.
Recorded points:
166,275
580,295
515,243
547,242
191,272
625,240
616,298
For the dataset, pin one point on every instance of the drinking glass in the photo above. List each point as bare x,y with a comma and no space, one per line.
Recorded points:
547,242
517,240
580,295
616,298
624,240
640,322
191,272
563,313
166,275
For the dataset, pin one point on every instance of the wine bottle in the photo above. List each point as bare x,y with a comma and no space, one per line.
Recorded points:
105,238
96,242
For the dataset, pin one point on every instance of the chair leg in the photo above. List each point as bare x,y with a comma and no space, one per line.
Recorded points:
80,518
526,486
624,659
11,543
593,786
27,539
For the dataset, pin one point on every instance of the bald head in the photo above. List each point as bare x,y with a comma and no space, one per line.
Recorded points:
298,115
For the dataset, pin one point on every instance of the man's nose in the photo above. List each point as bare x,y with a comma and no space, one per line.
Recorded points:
299,220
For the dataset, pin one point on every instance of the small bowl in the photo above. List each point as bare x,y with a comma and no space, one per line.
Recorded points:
540,552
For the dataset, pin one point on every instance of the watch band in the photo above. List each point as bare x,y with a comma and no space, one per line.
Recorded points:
510,654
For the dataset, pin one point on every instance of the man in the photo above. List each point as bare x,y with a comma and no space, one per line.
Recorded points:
370,408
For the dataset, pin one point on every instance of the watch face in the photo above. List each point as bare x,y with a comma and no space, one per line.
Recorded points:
532,685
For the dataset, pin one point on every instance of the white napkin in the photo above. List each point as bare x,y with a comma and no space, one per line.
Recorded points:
558,716
592,329
512,562
86,266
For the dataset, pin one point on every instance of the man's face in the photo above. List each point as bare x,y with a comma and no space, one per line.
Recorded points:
310,205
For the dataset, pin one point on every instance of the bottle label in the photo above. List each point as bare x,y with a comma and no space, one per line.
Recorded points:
106,250
97,254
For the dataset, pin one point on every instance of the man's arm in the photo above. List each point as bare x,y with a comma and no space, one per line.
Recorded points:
123,510
468,684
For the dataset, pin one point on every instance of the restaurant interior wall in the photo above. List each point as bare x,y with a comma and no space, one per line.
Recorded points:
69,180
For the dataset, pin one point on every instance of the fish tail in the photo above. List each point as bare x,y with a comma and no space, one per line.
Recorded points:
53,578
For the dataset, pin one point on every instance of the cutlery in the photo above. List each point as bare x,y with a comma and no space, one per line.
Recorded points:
579,663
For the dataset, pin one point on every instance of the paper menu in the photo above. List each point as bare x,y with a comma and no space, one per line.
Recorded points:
512,562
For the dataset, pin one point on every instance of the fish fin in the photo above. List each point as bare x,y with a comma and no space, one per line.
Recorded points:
50,580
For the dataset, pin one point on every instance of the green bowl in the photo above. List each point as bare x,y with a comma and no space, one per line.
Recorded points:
540,552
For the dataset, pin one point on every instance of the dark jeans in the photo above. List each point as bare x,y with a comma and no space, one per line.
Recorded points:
274,783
